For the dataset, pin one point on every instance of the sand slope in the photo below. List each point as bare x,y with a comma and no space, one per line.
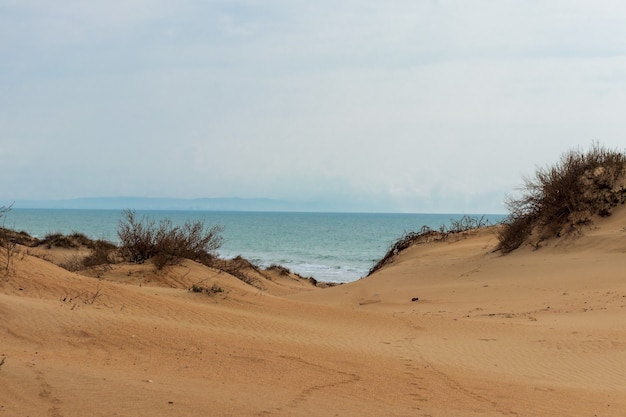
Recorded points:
533,333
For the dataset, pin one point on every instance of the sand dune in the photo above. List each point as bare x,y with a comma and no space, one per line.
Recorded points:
533,333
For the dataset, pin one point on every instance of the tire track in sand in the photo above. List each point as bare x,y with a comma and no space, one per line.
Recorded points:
45,393
419,369
339,378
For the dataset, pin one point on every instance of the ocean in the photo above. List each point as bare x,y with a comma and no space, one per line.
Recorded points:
331,247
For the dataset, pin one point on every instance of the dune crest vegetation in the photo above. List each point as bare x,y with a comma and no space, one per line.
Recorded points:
562,198
166,244
456,229
141,240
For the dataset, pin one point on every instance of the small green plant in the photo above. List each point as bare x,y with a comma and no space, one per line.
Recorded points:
197,288
214,289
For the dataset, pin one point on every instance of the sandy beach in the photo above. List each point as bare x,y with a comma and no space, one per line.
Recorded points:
537,332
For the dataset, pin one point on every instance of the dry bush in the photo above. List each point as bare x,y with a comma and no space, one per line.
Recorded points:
58,240
562,197
191,241
514,231
8,242
166,243
282,270
240,268
21,238
72,241
214,289
102,253
136,237
426,234
73,263
81,239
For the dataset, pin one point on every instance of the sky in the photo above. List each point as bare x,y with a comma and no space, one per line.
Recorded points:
399,105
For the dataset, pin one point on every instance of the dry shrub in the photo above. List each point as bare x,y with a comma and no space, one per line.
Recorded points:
136,237
562,197
166,243
72,241
282,270
73,263
8,241
514,231
457,228
240,268
21,238
102,253
214,289
58,240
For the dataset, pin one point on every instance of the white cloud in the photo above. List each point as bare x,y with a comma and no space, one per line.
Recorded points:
419,103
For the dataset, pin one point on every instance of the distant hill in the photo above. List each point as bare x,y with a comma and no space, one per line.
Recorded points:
146,203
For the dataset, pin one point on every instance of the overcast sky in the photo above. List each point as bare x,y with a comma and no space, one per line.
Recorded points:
418,106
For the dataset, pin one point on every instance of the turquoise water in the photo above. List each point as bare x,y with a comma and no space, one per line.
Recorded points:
335,247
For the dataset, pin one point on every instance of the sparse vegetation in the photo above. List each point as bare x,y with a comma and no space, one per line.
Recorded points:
86,297
426,234
166,243
280,269
214,289
561,198
7,240
240,268
73,263
21,238
72,241
141,240
102,253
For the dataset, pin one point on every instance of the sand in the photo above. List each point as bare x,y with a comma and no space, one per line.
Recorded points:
533,333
